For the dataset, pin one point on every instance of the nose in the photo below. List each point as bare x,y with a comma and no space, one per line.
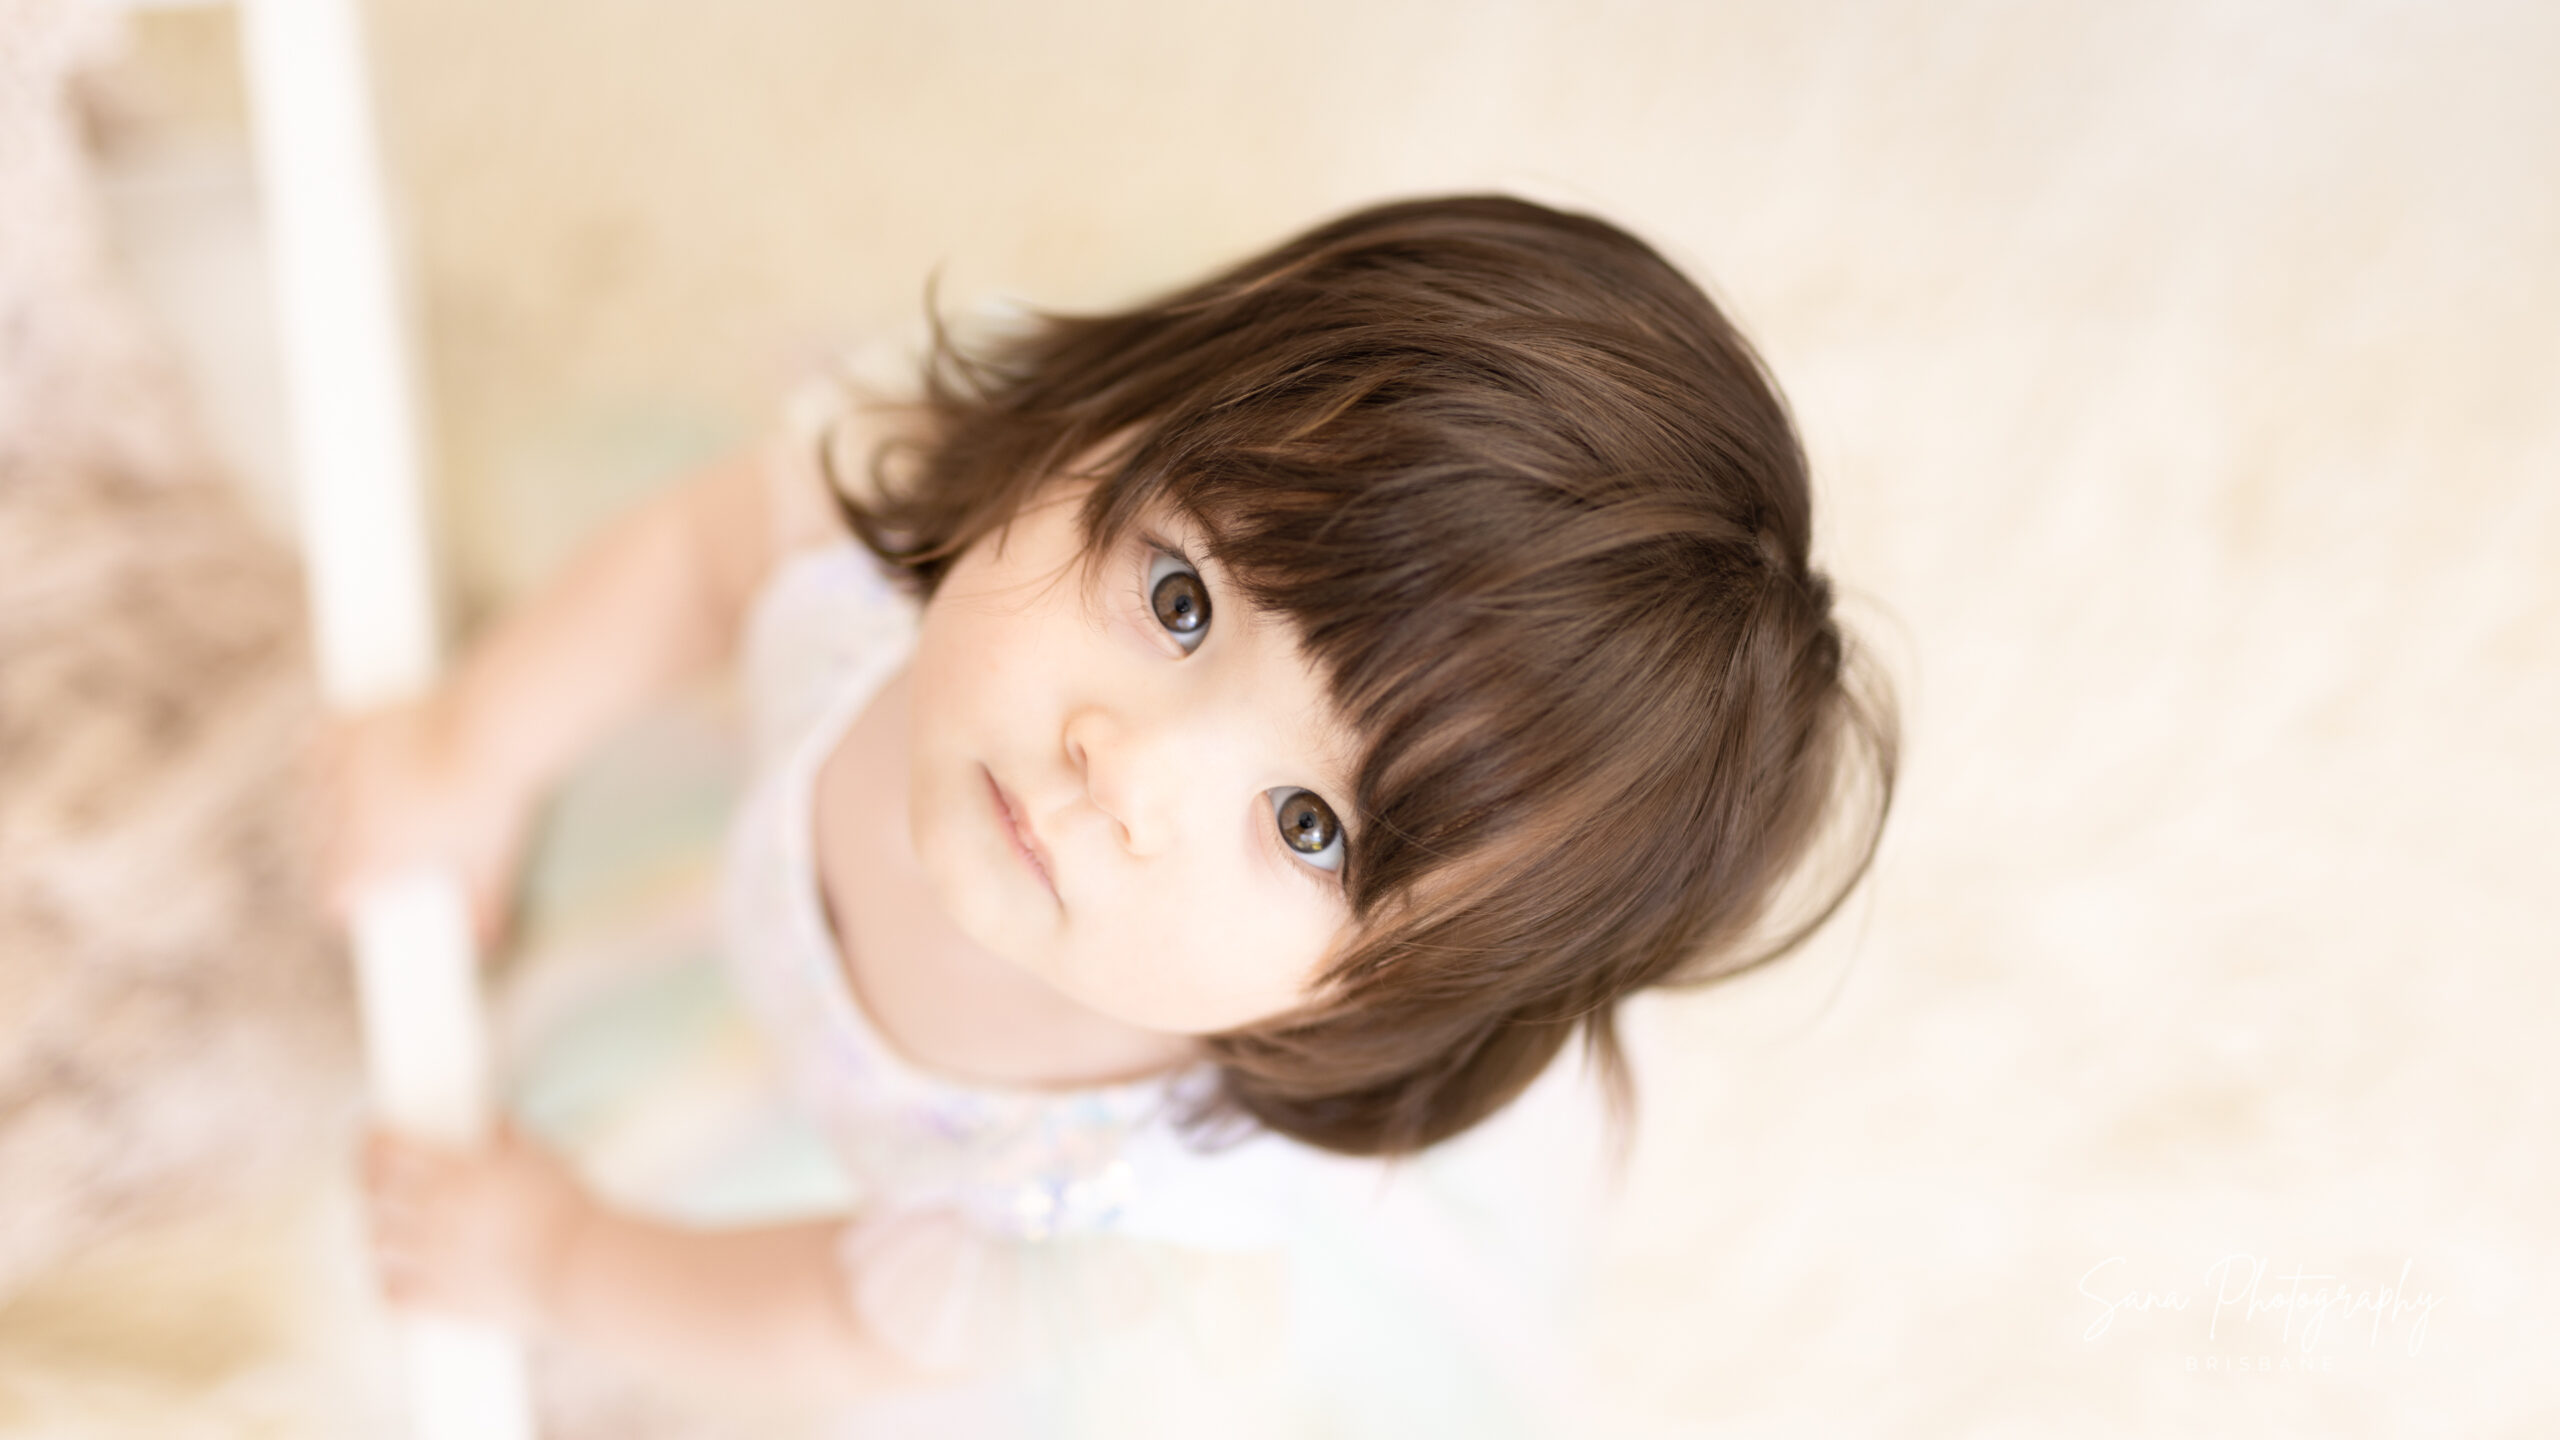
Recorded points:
1126,773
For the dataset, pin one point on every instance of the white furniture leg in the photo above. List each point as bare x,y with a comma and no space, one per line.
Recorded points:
357,458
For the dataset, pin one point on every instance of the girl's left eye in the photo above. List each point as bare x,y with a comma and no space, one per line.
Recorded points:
1308,827
1179,599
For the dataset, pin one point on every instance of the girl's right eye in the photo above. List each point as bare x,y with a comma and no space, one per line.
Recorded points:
1308,827
1179,599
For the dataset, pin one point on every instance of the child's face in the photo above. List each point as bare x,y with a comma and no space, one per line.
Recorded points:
1109,784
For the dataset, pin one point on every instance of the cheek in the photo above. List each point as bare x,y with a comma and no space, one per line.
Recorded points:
951,652
972,680
1211,957
1000,629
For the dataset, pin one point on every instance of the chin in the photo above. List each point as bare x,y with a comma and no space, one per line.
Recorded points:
957,883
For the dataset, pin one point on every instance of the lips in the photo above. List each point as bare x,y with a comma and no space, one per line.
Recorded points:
1025,844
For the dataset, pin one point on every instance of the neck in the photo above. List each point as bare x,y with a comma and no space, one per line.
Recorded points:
944,1002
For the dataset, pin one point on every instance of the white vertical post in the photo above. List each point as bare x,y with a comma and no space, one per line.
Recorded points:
364,532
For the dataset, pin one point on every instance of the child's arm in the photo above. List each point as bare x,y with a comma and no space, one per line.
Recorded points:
452,779
815,1313
649,603
507,1234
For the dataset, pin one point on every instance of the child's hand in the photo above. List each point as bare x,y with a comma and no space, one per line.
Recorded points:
396,790
476,1233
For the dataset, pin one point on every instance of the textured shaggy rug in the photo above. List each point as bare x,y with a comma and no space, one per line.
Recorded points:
176,1041
174,1025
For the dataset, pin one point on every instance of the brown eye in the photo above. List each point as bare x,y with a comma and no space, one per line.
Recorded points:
1310,827
1180,601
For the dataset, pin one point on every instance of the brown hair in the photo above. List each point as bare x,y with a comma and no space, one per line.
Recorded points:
1542,521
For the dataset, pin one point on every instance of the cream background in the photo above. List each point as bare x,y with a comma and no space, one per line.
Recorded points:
2181,383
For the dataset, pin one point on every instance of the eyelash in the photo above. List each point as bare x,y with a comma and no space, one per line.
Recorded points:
1160,546
1158,549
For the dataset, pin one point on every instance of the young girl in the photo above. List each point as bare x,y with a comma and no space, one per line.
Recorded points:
1213,756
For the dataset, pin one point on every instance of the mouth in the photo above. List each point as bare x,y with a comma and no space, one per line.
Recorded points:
1025,843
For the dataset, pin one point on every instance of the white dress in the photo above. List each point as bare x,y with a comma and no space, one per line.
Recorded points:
1097,1273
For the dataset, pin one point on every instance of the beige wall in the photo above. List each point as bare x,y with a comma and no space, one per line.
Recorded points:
2182,385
